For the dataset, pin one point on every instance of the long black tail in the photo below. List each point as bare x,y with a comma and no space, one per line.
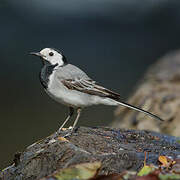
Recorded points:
139,109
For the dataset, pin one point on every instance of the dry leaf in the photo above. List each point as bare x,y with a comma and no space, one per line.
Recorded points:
166,162
79,172
63,139
163,161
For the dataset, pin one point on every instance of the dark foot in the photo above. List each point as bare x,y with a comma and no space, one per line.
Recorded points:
71,132
76,129
68,134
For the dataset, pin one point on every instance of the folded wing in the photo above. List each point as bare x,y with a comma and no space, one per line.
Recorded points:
90,87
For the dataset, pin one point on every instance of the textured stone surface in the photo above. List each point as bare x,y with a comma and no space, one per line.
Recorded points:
118,150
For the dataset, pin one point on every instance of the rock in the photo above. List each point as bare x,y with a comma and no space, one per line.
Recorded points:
116,149
159,93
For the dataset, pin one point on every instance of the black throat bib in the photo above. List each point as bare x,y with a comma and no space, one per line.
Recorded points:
46,71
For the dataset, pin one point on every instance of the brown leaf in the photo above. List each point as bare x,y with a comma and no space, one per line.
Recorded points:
166,162
63,139
163,161
79,171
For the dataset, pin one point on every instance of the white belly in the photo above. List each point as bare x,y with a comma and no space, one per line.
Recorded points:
77,99
70,97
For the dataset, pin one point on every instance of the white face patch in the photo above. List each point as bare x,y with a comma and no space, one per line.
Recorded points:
52,56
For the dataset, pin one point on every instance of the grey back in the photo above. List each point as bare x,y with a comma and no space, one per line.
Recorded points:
70,71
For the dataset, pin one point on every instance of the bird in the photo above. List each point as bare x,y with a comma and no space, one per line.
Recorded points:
69,85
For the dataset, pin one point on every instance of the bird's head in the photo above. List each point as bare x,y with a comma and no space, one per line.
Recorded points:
51,56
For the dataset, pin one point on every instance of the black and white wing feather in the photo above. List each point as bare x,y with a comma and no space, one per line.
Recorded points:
90,87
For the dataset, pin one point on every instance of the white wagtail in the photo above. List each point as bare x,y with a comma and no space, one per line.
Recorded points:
72,87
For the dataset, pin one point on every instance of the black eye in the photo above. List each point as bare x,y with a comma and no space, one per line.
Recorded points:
51,53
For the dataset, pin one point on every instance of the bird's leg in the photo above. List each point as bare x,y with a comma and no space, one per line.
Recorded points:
75,122
77,118
71,112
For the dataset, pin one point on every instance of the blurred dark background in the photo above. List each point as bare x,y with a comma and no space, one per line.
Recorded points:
113,41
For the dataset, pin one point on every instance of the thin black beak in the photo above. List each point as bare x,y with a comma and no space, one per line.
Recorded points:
36,54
